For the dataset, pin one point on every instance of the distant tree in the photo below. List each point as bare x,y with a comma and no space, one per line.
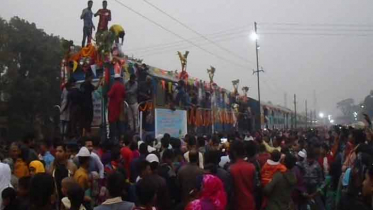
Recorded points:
30,68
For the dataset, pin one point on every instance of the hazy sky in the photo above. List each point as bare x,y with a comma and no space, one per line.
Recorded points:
335,66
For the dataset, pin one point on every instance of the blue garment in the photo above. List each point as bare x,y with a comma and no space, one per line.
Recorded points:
48,159
87,16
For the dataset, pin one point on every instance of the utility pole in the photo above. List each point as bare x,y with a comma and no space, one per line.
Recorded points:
285,100
257,72
295,111
306,116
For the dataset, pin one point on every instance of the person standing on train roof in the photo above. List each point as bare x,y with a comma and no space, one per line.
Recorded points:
86,16
105,17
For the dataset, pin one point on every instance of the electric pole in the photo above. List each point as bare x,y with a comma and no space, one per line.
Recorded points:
295,111
257,72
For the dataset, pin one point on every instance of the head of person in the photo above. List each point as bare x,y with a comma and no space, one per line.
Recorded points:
104,4
42,197
144,169
84,157
210,188
44,147
15,151
116,184
153,161
133,78
201,141
36,167
143,149
175,143
88,143
61,154
250,147
290,161
301,155
23,186
76,196
276,155
90,4
146,192
194,156
192,142
9,196
66,184
165,142
211,161
237,150
168,156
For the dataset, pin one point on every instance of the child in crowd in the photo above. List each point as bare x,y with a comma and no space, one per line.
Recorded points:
146,194
75,196
269,169
272,166
23,197
9,196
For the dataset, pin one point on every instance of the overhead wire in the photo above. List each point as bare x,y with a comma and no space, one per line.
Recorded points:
226,32
173,48
179,36
198,33
183,43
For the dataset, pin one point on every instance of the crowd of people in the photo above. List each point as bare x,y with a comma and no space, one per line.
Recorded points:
273,170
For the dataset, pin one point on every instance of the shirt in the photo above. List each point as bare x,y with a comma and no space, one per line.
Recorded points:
81,177
186,178
131,89
87,15
105,17
86,89
117,29
269,169
116,98
48,159
243,175
127,156
96,165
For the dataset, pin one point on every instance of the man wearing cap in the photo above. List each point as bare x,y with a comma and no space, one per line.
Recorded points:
81,175
116,103
163,197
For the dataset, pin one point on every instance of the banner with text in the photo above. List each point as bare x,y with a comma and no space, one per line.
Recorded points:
172,122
